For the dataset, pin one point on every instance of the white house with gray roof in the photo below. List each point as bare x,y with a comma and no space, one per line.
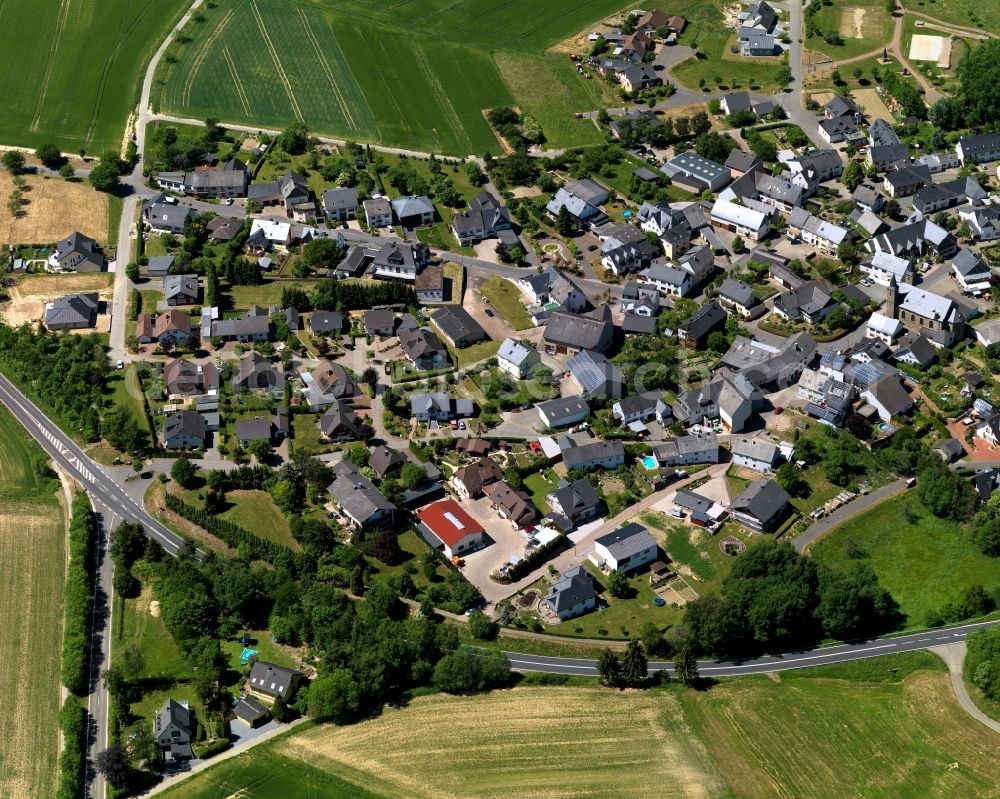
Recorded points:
624,550
563,411
761,506
517,358
735,295
572,595
685,450
823,235
758,453
743,220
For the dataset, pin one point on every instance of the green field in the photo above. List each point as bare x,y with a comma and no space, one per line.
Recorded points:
849,18
886,728
923,565
71,70
385,73
505,299
32,550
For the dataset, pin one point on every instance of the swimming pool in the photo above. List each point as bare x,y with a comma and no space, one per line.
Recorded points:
650,462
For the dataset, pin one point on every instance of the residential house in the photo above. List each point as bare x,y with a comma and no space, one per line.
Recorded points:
758,453
251,712
380,322
755,43
696,173
429,285
641,299
905,180
838,129
359,500
918,238
767,367
670,280
939,318
821,234
594,455
290,191
745,220
726,400
339,422
882,267
72,312
259,429
813,167
694,330
689,449
424,349
593,375
517,358
164,216
266,234
736,101
171,327
448,526
76,253
561,412
582,199
887,157
762,506
189,379
486,217
984,223
326,323
637,77
223,228
971,271
249,327
378,213
624,550
399,260
978,148
950,449
870,223
182,429
881,134
229,181
884,328
550,286
159,265
938,162
269,681
735,295
888,397
256,373
629,258
868,198
385,461
413,212
572,595
457,326
180,290
567,333
643,407
740,162
940,196
173,729
340,204
916,351
574,503
470,480
438,406
811,302
511,504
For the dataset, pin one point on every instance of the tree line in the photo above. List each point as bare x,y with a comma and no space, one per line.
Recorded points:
342,296
225,530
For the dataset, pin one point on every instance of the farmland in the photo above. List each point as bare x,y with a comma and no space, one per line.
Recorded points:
383,73
32,549
76,90
53,209
862,27
859,730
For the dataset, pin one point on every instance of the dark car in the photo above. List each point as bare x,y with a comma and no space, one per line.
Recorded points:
489,312
591,248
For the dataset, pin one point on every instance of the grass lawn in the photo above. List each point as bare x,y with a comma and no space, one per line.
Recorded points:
412,546
266,650
506,301
150,299
923,565
454,282
256,512
115,206
134,623
32,549
306,435
724,71
540,485
888,727
128,392
440,237
480,351
267,293
849,18
963,13
155,245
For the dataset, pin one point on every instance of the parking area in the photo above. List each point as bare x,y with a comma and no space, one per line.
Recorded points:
506,542
518,424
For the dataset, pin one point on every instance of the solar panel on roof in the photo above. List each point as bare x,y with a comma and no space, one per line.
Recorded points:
451,518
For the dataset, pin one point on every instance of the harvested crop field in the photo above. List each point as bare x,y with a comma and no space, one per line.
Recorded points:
29,295
54,209
32,551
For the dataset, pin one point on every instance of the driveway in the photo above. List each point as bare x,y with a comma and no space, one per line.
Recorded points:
496,327
518,424
506,542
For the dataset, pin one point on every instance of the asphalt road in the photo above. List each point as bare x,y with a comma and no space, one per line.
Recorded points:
103,489
820,656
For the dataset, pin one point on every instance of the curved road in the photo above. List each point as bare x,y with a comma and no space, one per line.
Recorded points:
820,656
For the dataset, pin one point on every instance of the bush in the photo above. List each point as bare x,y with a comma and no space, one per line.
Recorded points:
79,596
481,626
466,671
73,760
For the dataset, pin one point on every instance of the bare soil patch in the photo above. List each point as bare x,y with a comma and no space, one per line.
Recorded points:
55,209
28,297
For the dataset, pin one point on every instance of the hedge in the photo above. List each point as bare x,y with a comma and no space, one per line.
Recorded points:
245,478
73,760
79,596
231,534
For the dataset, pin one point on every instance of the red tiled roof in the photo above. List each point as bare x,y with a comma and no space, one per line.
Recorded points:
449,530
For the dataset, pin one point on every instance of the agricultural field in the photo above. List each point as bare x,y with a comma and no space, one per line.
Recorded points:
32,549
885,727
923,563
53,209
383,73
863,25
75,90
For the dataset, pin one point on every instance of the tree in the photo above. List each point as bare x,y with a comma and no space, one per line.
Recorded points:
49,155
114,766
835,76
132,271
370,378
717,341
979,75
700,123
294,139
609,668
634,665
13,160
790,478
411,475
891,209
946,493
183,472
618,584
853,175
322,253
335,697
67,171
564,221
715,146
739,246
852,603
260,449
105,176
481,626
465,672
686,667
784,75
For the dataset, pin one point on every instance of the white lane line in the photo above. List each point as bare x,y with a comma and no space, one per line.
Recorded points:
536,664
783,664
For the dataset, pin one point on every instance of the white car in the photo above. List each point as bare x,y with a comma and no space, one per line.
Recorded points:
120,365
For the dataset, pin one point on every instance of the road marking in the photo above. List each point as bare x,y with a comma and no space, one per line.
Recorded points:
784,663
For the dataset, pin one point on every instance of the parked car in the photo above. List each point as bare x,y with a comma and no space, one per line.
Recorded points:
461,425
489,312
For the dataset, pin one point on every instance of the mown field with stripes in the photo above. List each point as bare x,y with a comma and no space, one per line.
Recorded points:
410,74
71,70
